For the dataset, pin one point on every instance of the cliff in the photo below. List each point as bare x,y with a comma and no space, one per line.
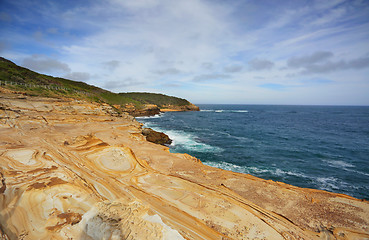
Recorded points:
71,169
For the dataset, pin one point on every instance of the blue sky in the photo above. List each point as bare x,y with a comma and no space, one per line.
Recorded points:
247,52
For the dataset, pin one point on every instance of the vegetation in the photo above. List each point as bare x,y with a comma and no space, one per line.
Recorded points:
157,99
22,79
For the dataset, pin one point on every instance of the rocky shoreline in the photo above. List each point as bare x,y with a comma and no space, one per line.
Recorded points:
78,170
151,109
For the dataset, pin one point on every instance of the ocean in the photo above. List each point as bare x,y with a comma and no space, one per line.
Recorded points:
320,147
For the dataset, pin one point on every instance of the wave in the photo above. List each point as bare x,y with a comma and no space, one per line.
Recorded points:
184,140
236,168
189,142
223,110
323,183
150,117
345,166
339,164
333,184
253,170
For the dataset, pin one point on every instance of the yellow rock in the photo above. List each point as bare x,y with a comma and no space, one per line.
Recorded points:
74,170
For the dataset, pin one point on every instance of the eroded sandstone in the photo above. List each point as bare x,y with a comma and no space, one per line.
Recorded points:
74,170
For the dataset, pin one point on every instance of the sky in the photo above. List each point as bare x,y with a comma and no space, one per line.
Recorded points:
207,51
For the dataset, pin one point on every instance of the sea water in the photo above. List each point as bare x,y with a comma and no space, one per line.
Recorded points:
321,147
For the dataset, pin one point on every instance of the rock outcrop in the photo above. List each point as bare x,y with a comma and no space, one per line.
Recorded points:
156,137
152,109
176,108
147,110
74,170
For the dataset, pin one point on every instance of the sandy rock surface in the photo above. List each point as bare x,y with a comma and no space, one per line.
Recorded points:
74,170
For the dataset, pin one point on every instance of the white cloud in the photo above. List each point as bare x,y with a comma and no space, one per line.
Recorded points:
313,58
260,64
321,62
195,45
45,64
168,71
78,76
210,77
233,68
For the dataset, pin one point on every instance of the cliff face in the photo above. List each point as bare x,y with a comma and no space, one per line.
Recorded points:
147,110
73,170
173,108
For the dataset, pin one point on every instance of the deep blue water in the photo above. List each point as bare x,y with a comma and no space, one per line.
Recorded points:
321,147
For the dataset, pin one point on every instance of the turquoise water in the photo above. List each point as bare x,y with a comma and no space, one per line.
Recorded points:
317,147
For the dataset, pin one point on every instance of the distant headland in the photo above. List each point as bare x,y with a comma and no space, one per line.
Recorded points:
25,81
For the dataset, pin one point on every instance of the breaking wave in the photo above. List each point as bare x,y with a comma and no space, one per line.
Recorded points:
324,183
182,140
150,117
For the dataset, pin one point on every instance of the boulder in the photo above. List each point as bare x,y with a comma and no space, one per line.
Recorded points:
156,137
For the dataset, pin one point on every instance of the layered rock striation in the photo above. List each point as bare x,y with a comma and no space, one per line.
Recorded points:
74,170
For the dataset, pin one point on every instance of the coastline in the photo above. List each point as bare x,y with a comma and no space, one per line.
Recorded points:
277,143
88,167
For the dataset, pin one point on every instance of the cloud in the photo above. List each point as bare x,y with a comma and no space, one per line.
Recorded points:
342,65
5,17
260,64
38,35
52,30
168,71
233,68
209,42
273,86
316,81
120,85
3,46
78,76
207,65
207,77
330,16
358,63
172,85
111,65
304,61
45,64
321,62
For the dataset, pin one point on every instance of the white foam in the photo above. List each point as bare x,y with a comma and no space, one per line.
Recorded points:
188,141
184,140
254,170
235,168
327,183
227,166
280,172
224,110
240,111
150,117
339,163
363,173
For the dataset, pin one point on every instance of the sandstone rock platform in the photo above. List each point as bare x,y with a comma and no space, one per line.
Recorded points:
73,170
